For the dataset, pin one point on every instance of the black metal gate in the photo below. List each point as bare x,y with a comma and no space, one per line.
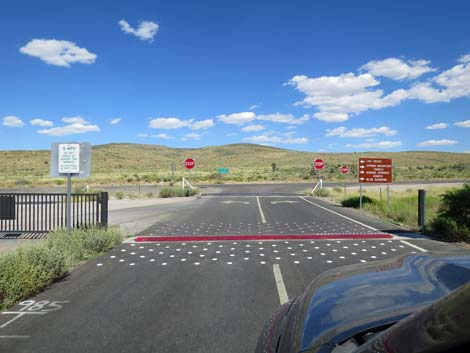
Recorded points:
42,213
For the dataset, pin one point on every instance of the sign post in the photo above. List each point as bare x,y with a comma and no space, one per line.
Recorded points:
375,171
319,164
68,160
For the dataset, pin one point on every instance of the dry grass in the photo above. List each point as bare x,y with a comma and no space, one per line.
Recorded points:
133,164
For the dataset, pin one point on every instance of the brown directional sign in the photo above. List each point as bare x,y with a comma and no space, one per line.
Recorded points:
375,170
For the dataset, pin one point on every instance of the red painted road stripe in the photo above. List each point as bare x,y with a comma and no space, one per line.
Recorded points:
181,238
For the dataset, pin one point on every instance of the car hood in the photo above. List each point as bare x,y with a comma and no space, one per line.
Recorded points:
349,300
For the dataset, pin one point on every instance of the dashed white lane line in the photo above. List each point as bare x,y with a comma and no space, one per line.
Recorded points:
263,219
281,288
413,246
339,214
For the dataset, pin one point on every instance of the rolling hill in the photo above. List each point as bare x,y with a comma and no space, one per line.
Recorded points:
131,163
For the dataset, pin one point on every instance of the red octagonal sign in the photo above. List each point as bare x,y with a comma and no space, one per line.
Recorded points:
344,169
189,163
318,164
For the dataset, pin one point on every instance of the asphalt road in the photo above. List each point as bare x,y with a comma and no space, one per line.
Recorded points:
191,293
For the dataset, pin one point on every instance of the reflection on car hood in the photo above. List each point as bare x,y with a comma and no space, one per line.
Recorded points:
346,301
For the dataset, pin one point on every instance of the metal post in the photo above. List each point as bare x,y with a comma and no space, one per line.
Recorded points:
68,205
319,191
344,186
388,198
360,197
104,209
422,210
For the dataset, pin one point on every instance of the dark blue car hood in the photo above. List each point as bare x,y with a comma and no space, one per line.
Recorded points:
346,301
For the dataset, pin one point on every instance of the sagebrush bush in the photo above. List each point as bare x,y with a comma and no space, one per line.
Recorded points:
177,192
119,195
453,217
29,269
354,201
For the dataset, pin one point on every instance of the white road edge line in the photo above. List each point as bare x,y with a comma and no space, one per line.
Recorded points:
263,219
15,336
281,288
413,246
339,214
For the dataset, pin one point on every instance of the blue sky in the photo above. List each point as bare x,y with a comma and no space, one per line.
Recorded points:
308,75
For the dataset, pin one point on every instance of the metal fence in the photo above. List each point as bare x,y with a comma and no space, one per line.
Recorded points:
42,213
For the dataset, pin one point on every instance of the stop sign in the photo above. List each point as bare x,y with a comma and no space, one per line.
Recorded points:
189,163
318,164
344,169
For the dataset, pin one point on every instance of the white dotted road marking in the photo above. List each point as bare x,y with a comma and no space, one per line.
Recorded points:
339,214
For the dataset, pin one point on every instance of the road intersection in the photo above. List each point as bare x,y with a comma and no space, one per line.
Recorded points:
206,278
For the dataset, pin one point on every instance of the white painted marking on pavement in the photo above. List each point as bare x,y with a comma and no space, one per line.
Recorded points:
413,246
281,288
230,201
285,201
339,214
15,336
263,219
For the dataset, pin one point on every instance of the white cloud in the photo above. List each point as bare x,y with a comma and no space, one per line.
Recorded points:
437,126
377,145
336,97
453,83
163,136
58,52
361,132
169,123
41,122
337,131
269,138
465,123
253,107
191,136
237,118
12,121
430,143
247,117
464,59
283,118
145,31
115,121
331,117
203,124
74,120
253,128
339,97
71,129
397,69
142,135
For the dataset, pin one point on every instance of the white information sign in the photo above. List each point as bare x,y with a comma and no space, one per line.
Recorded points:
69,158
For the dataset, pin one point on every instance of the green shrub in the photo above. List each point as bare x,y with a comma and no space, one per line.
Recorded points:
322,192
354,201
119,195
149,195
177,192
29,269
337,189
453,217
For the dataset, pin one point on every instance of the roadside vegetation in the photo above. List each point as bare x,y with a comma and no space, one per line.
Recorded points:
176,191
447,209
30,269
134,164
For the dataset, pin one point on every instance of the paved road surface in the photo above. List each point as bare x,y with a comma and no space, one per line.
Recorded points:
192,293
